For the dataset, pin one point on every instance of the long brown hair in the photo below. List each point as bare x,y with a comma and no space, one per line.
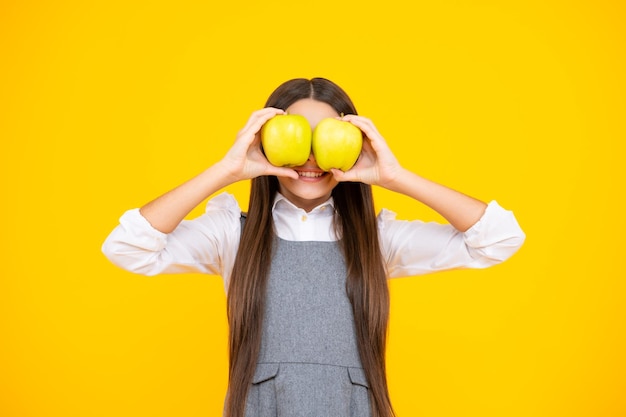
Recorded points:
366,286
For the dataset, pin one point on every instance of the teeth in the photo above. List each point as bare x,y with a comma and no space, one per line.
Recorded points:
310,174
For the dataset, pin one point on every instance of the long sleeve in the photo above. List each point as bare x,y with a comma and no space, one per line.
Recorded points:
415,247
207,244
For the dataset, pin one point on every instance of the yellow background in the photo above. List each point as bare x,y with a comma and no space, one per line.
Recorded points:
106,104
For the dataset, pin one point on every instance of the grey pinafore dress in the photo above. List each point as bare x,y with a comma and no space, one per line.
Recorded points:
309,363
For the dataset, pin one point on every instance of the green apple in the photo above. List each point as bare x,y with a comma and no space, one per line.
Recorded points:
286,140
336,144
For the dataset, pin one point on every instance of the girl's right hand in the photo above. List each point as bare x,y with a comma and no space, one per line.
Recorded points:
245,159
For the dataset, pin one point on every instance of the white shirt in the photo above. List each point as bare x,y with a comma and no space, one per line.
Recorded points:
208,244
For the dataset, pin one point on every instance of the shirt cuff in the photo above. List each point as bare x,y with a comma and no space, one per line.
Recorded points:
143,234
224,201
496,225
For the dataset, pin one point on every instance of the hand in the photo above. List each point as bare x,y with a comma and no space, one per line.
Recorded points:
376,165
245,159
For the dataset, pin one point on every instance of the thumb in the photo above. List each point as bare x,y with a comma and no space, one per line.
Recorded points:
282,172
340,176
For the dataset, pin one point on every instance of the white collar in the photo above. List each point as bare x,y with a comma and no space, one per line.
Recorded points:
282,201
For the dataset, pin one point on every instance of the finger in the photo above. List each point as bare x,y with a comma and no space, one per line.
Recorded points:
365,124
262,116
282,172
337,174
342,176
367,147
258,119
362,123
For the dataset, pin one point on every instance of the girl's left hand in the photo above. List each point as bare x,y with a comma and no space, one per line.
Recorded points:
376,165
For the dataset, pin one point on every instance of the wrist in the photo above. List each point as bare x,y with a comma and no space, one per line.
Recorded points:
214,178
225,172
399,180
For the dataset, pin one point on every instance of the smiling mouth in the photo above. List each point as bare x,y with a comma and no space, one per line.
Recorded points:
309,174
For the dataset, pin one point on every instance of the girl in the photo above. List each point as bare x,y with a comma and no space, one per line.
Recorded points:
306,269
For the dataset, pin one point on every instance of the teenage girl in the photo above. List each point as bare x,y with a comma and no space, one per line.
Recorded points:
306,268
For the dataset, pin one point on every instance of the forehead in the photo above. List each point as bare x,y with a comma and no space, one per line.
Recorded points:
314,111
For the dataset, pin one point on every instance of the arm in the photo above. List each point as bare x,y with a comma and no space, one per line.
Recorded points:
478,236
416,248
244,160
460,210
155,239
378,166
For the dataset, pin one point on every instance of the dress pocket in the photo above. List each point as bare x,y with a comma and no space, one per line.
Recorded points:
360,398
261,401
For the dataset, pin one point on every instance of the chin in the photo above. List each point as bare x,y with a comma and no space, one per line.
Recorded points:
312,193
304,190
